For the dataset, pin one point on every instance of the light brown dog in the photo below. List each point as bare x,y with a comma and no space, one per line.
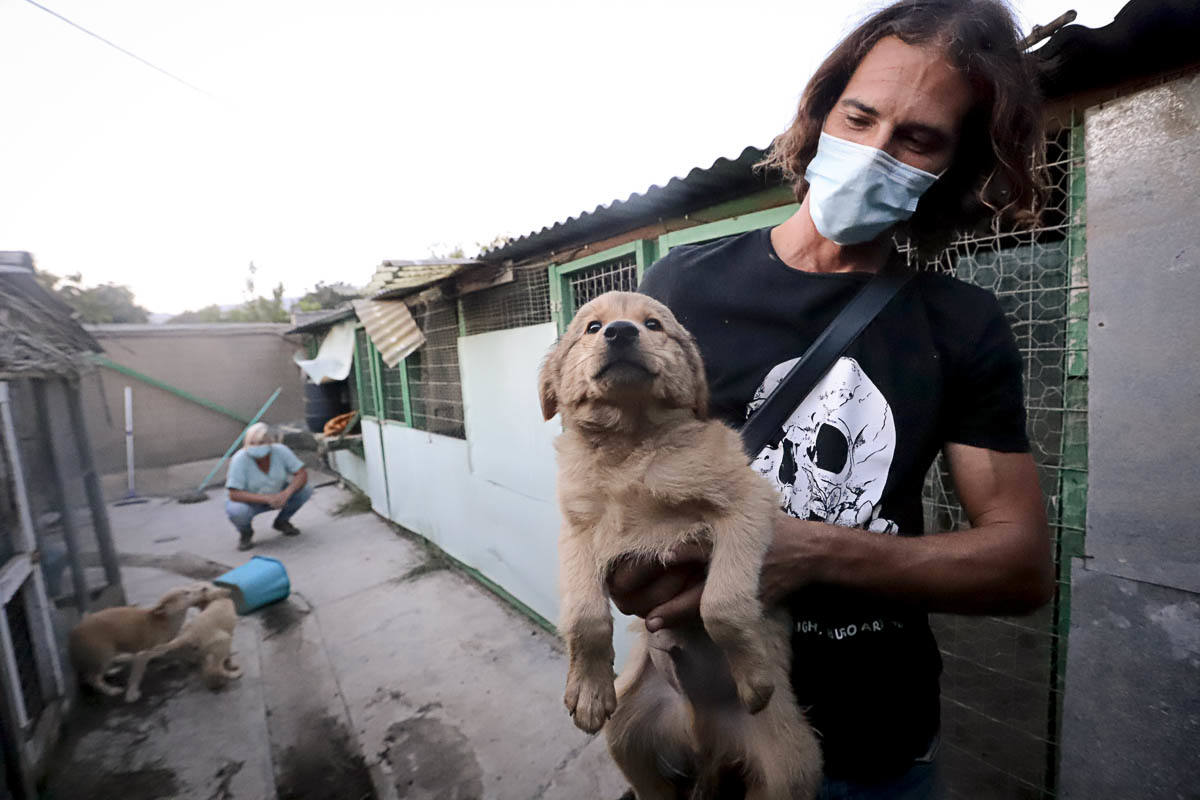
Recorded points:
211,634
127,633
640,471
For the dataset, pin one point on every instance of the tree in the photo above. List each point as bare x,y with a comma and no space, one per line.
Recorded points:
94,305
325,295
254,309
207,314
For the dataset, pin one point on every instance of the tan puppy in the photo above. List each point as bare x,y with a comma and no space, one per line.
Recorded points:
102,638
211,633
640,471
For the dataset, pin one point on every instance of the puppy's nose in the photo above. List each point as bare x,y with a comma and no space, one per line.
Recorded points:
620,333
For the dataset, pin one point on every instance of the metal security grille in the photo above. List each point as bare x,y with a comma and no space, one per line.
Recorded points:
363,357
1003,679
434,380
525,301
619,274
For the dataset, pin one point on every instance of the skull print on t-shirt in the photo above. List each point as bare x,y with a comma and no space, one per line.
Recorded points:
833,460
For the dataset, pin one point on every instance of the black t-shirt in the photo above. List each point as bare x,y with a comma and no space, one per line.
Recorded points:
939,364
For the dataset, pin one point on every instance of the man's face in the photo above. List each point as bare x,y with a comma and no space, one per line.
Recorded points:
907,101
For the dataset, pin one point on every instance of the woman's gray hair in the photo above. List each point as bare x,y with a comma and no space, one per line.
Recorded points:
258,433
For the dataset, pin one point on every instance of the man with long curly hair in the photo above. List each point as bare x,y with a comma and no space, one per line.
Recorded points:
924,121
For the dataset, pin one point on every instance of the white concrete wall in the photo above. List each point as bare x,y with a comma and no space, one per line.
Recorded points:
488,501
351,467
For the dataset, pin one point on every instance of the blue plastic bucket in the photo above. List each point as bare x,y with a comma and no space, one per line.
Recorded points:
259,582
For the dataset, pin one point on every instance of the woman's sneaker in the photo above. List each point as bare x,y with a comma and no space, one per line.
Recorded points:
244,541
286,528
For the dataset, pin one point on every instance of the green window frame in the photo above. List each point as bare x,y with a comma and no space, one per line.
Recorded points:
366,374
570,286
397,402
575,282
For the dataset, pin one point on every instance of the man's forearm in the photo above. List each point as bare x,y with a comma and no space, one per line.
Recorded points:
240,496
984,570
297,482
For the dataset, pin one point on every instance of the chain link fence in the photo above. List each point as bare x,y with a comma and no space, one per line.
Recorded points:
1003,679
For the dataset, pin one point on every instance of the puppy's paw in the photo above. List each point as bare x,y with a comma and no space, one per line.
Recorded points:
755,692
591,701
132,695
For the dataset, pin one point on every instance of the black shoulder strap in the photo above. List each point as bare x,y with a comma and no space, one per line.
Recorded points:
765,425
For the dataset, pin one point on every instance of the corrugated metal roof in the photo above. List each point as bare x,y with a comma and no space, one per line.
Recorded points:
391,327
1147,37
313,321
700,188
398,278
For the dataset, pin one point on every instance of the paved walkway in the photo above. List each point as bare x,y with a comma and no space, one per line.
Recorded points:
385,675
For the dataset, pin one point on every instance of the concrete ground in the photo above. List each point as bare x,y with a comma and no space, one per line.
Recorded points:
386,674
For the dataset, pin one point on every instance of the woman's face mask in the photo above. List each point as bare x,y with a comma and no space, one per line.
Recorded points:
857,192
259,450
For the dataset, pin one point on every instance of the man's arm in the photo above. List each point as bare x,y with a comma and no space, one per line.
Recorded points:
276,500
295,484
1001,565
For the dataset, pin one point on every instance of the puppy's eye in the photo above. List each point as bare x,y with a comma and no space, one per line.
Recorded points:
594,326
653,325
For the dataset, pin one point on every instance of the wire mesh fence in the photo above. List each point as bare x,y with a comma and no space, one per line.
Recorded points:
1003,677
525,301
434,380
618,274
392,380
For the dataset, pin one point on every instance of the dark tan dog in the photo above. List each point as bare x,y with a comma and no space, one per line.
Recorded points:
127,633
210,635
640,471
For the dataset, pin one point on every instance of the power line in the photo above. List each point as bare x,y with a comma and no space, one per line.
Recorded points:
115,46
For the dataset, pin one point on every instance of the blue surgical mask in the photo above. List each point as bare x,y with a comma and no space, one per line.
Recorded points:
856,192
259,450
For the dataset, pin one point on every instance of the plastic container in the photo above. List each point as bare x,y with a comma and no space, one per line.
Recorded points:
257,583
323,402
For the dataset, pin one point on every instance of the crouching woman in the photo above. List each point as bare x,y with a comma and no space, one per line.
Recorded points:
264,475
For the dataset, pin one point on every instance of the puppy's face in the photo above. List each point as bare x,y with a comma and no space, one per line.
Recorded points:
179,599
624,350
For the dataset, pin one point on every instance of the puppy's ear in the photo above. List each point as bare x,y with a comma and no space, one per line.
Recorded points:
699,377
548,382
159,610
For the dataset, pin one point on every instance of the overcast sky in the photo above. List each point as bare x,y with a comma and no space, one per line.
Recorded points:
331,135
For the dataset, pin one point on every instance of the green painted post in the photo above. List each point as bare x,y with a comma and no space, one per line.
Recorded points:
1073,477
358,367
646,254
556,298
108,363
404,393
376,380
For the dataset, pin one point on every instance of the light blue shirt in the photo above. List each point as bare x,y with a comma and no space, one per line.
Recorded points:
244,474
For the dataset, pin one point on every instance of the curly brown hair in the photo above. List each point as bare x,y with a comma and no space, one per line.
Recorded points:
997,168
